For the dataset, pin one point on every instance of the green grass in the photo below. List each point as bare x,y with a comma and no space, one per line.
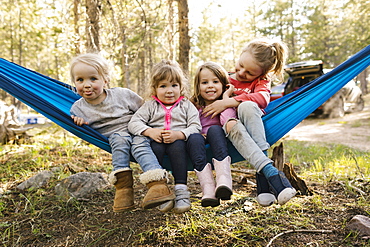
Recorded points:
338,175
325,162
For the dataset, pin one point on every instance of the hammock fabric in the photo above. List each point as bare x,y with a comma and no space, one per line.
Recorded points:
53,99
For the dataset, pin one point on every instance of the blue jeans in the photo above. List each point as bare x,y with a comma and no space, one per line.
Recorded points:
176,152
248,135
250,115
197,149
123,145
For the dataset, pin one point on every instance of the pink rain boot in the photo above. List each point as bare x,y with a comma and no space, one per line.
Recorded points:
207,182
223,178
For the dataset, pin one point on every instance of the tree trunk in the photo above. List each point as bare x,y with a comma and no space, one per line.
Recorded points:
20,41
141,85
171,31
184,43
125,79
363,82
76,18
288,169
93,8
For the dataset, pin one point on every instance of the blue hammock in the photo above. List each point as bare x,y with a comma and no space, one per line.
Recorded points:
53,99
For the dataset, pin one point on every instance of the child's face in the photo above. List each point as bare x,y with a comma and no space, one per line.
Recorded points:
168,92
210,87
246,68
89,83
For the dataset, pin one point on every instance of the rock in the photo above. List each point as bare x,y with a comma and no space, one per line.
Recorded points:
81,185
37,181
361,224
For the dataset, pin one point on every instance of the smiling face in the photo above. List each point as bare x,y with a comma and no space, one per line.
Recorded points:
168,92
246,68
210,87
89,83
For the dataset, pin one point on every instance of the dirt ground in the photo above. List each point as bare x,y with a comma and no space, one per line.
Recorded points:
29,221
352,130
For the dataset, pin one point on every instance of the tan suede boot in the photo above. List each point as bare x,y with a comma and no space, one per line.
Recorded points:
124,197
158,191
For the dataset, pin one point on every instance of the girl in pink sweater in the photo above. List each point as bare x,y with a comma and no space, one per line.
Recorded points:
210,84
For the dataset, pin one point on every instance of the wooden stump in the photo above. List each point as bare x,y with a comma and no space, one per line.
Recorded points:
288,169
10,129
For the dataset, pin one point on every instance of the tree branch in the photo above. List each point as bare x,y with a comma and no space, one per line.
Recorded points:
302,230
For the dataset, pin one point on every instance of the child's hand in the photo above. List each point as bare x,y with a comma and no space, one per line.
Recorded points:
155,134
229,91
78,120
214,109
169,136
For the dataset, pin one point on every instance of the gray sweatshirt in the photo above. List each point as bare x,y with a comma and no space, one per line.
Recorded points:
113,114
184,117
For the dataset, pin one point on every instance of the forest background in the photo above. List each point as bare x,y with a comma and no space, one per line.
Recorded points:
43,35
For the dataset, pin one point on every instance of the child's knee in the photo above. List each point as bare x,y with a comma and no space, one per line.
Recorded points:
247,109
229,125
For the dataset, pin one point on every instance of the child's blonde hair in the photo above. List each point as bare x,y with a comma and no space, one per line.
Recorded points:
219,72
270,56
94,60
171,71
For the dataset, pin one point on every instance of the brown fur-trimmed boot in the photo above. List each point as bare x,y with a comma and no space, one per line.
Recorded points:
158,191
124,197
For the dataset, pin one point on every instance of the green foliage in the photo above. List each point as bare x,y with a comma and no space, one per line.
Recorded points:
43,35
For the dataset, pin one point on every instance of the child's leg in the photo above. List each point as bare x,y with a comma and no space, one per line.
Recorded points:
154,176
176,151
179,162
197,152
218,142
246,146
159,150
196,149
250,115
216,138
121,147
121,177
142,152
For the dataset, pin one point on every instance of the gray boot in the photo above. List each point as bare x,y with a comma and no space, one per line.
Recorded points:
182,201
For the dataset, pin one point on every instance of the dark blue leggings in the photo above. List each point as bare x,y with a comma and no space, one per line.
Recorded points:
197,150
176,152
